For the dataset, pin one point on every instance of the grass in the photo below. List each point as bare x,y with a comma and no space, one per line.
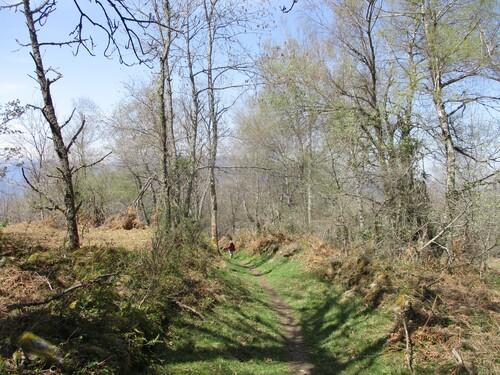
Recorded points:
106,327
240,336
343,336
103,329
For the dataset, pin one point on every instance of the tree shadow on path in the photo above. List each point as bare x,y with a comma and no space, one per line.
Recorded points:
299,360
338,335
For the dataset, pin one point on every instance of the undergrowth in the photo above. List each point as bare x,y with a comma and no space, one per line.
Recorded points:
119,310
176,307
342,335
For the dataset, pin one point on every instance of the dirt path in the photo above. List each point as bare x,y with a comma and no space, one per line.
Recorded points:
299,359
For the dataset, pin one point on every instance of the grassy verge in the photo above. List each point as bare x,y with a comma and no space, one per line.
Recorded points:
342,335
240,336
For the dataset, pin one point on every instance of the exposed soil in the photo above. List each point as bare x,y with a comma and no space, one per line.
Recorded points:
299,358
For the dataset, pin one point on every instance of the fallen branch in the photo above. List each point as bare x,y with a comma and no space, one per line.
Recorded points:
431,313
409,348
143,190
407,311
186,307
460,360
59,295
441,277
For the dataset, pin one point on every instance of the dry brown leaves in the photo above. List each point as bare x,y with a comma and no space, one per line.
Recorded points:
317,253
36,232
17,286
267,242
125,220
461,313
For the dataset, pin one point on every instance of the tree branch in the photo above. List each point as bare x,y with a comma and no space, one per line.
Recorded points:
54,204
181,305
444,229
92,164
284,9
75,136
69,119
61,294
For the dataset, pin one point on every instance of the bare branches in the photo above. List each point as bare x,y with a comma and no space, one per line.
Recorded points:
460,361
284,9
444,230
186,307
12,6
35,189
122,25
143,190
77,133
93,163
69,118
409,346
117,16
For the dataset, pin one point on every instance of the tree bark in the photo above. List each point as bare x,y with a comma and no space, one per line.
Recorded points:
194,121
49,113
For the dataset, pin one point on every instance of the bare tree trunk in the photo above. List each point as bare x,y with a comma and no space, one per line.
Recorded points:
444,123
211,28
171,143
70,208
258,224
164,178
309,175
343,221
194,119
214,232
166,110
435,71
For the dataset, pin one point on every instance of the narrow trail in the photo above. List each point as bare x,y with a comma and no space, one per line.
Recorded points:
299,358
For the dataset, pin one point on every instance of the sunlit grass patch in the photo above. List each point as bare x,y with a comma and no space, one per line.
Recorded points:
240,336
341,334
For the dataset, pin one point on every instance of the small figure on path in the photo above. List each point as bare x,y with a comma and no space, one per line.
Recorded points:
230,248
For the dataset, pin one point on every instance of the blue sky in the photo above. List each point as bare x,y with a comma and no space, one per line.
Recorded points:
94,77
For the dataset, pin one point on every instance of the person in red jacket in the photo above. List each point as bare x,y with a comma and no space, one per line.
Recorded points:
231,248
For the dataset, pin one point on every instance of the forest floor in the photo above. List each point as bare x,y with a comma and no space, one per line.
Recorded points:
284,305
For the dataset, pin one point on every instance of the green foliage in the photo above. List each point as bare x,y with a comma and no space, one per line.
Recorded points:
147,318
9,112
91,261
104,191
113,324
4,223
